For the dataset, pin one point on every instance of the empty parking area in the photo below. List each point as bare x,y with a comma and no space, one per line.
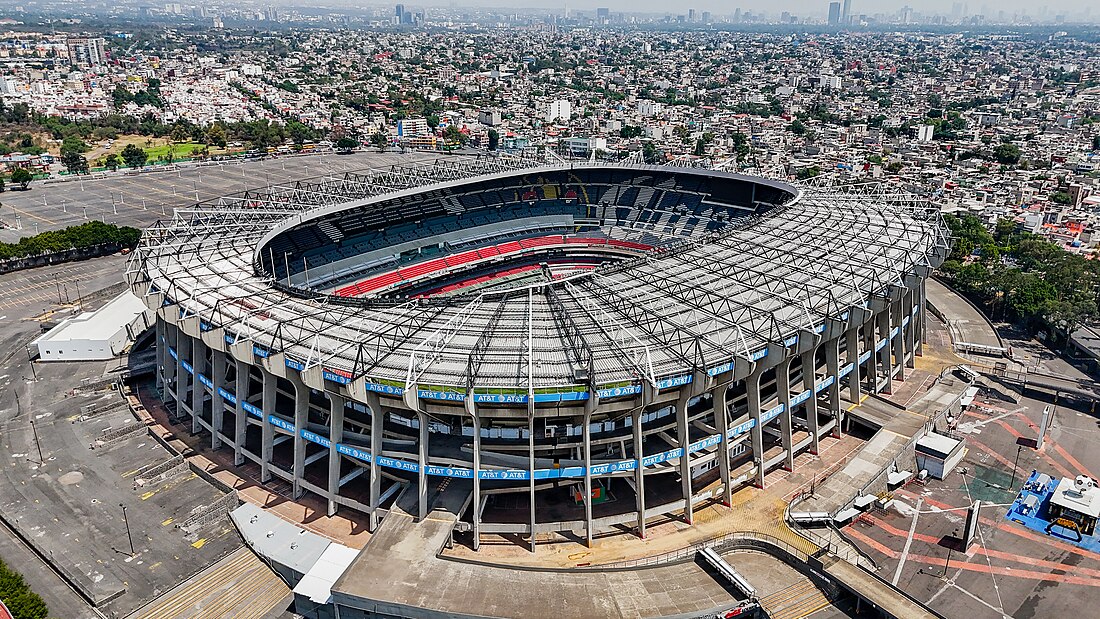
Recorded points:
141,198
95,460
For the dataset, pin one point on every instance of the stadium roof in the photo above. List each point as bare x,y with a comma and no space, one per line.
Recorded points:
724,296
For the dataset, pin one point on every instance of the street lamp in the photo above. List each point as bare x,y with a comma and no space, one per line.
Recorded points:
1015,463
126,521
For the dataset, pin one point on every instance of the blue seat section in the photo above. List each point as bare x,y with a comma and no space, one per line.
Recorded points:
667,202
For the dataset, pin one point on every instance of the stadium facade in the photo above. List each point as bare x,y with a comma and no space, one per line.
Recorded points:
587,346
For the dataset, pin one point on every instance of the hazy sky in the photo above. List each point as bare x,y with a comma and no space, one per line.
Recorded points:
798,7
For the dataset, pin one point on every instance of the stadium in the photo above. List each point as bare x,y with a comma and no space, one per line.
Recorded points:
588,347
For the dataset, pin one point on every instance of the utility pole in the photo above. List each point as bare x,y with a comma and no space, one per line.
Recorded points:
126,521
37,443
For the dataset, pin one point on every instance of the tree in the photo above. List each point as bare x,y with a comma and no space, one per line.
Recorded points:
215,135
18,596
74,162
808,173
22,177
454,136
134,156
894,167
649,152
1006,154
797,127
379,140
346,144
1061,197
494,139
1096,142
111,162
433,121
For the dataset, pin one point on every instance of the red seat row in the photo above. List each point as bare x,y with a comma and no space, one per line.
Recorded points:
422,268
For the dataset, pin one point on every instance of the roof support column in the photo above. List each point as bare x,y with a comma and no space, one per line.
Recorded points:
920,319
198,364
871,371
376,419
852,356
336,406
170,365
240,418
162,345
786,430
301,416
885,356
531,467
217,402
721,421
587,443
639,470
183,355
910,331
684,437
809,380
422,471
752,389
897,309
267,431
471,408
832,367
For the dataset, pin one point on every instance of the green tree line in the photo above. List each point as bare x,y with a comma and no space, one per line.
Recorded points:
1021,277
74,237
18,597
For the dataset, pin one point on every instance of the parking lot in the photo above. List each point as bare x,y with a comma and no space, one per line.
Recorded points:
141,198
60,496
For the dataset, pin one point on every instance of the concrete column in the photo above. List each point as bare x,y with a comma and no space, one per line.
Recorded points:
183,353
422,474
911,330
336,406
217,403
171,366
684,437
921,317
531,467
832,366
476,517
198,390
722,424
639,470
162,345
587,443
899,342
240,417
376,419
809,378
786,423
885,355
852,342
267,436
869,331
301,417
752,389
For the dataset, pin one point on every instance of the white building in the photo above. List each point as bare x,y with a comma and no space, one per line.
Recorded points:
649,108
412,127
559,109
95,336
925,133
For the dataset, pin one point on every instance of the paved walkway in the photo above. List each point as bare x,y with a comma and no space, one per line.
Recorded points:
416,583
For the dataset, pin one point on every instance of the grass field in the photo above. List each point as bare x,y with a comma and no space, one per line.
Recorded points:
155,149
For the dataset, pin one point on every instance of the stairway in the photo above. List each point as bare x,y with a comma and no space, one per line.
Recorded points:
795,602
